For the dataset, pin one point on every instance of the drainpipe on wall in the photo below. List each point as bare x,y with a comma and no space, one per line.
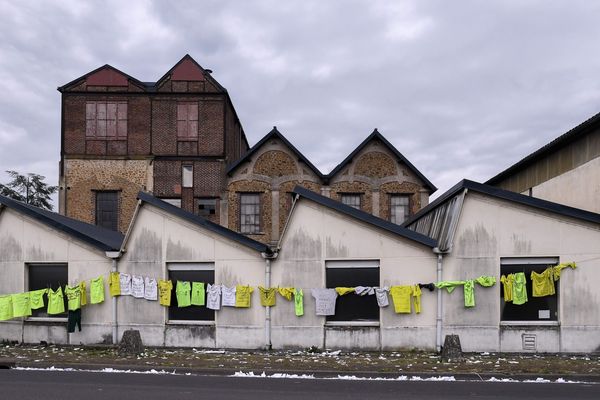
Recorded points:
438,322
114,255
268,258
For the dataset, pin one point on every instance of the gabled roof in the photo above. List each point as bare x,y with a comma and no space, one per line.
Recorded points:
187,57
365,217
137,82
100,238
399,156
204,223
273,134
570,136
513,197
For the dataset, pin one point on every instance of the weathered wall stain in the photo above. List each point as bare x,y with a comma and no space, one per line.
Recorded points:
10,249
477,242
147,247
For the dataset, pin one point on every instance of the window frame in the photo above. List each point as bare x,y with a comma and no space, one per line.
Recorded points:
117,211
200,202
195,310
258,214
187,175
527,265
42,313
408,208
174,201
355,269
95,119
345,196
187,126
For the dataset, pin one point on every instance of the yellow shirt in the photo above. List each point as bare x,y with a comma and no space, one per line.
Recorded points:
114,284
401,298
344,290
97,290
286,292
243,296
507,284
267,296
542,284
557,269
36,298
416,292
83,289
164,292
6,308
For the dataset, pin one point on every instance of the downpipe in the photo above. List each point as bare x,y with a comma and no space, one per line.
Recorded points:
439,320
268,258
114,255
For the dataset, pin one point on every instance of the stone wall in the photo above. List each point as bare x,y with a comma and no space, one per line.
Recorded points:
84,177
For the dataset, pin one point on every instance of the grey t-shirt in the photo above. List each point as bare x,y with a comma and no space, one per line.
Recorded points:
325,301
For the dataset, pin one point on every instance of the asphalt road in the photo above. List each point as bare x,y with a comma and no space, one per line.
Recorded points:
51,385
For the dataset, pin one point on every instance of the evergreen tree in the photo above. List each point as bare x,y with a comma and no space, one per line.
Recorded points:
30,189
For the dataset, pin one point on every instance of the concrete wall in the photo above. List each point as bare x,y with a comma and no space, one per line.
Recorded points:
315,235
22,241
579,187
157,239
490,229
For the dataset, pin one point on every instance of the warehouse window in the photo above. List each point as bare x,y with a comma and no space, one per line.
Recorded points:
352,307
187,120
536,308
47,276
351,199
106,120
207,207
399,208
173,202
107,209
190,272
250,213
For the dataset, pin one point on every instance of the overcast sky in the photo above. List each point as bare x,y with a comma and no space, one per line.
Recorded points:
463,89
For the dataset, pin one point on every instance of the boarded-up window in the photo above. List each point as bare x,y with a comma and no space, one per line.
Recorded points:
207,207
192,272
187,120
106,120
352,307
44,276
250,213
399,208
351,199
107,210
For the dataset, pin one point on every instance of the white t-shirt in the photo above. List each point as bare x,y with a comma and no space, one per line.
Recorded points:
150,289
325,301
381,293
125,284
137,286
364,290
228,296
213,297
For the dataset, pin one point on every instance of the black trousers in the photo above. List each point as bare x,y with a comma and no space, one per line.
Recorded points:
74,319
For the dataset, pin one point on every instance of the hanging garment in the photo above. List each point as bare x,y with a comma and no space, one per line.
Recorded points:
428,286
56,302
83,289
164,292
344,290
243,296
73,294
150,289
416,293
556,270
125,284
267,296
298,302
74,319
449,285
227,296
520,289
325,301
137,286
183,291
381,294
36,298
542,284
286,292
213,297
364,290
469,293
507,285
114,284
21,305
97,290
198,295
401,298
6,308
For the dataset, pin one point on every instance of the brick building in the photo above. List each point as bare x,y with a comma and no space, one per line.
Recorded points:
180,139
173,137
375,178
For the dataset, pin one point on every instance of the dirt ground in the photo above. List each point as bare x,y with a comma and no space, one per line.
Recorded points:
303,361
